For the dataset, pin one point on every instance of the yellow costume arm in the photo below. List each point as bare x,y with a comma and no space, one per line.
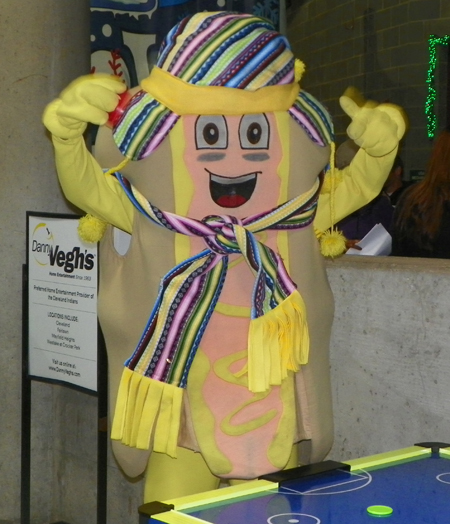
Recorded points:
87,187
361,182
88,99
377,130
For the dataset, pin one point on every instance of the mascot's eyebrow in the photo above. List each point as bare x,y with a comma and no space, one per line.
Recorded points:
210,157
256,157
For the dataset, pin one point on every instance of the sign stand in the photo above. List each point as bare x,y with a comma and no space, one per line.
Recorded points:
66,335
25,477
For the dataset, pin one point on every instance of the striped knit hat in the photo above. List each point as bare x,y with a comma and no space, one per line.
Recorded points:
218,63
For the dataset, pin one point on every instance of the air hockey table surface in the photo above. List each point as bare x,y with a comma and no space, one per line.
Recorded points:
411,485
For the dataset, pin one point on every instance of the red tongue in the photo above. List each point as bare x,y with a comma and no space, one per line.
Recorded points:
231,200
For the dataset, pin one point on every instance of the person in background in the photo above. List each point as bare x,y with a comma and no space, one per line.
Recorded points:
422,216
395,185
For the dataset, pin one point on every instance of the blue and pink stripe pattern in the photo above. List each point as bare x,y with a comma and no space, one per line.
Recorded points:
222,49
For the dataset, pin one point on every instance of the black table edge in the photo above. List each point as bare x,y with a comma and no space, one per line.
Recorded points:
308,470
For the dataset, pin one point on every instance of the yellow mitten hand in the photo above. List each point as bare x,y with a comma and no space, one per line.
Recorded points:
88,99
375,128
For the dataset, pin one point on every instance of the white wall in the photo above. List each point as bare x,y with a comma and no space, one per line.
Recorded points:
44,45
390,353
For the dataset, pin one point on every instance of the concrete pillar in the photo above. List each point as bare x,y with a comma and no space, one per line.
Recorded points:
44,45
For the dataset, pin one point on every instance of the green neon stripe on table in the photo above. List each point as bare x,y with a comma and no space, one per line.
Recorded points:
253,487
172,517
387,458
221,495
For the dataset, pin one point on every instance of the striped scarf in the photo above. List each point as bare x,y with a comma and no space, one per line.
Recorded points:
156,374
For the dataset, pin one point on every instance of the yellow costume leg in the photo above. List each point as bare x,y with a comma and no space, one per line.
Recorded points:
292,463
168,478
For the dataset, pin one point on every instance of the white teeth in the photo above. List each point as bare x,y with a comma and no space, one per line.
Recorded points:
224,180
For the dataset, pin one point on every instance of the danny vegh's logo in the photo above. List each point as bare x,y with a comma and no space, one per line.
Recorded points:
42,242
47,251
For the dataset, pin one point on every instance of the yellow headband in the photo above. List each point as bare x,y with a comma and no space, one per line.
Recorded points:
183,98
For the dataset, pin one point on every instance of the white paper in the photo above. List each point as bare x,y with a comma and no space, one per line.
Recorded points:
377,242
62,302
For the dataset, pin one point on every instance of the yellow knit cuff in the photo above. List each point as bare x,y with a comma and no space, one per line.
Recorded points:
187,99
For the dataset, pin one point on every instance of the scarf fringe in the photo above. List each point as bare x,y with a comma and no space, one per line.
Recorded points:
147,407
278,342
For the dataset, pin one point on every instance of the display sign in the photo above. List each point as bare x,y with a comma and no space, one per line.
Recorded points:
62,301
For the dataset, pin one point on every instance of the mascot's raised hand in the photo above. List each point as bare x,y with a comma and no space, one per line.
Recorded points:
376,128
89,99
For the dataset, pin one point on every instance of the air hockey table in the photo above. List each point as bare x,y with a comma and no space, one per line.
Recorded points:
407,486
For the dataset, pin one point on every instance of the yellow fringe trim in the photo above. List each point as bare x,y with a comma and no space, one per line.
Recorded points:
278,342
145,407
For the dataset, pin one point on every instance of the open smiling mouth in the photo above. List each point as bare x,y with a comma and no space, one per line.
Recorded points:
232,192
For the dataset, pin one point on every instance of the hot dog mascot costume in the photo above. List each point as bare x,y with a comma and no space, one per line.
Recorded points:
217,319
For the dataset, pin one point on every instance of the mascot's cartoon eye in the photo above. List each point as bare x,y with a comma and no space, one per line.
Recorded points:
254,132
211,132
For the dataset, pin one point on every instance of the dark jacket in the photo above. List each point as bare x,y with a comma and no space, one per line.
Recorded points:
359,223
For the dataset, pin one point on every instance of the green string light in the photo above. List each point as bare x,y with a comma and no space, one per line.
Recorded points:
433,42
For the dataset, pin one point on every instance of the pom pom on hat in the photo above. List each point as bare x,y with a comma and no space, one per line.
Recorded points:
299,69
332,243
91,229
